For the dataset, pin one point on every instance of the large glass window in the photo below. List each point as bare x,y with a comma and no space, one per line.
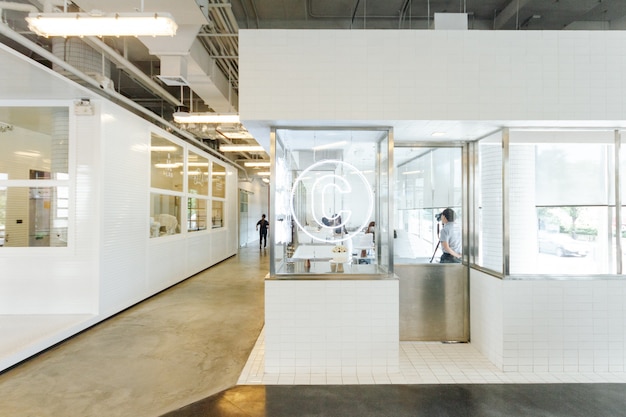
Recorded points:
561,197
197,175
218,179
164,215
198,187
196,214
428,180
166,162
166,180
217,214
34,143
330,205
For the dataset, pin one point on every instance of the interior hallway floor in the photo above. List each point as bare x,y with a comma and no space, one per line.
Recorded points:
196,349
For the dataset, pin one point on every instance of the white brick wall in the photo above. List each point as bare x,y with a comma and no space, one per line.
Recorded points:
332,326
549,326
490,250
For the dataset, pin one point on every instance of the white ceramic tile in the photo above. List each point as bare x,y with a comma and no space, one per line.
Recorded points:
436,363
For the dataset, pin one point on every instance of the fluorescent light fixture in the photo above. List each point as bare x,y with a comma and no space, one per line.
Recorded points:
331,145
438,134
184,117
173,165
242,148
256,164
263,173
166,148
236,135
102,24
29,154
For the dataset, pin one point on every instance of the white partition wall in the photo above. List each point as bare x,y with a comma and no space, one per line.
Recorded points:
376,77
109,261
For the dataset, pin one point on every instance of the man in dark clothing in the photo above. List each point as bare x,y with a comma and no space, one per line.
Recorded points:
262,226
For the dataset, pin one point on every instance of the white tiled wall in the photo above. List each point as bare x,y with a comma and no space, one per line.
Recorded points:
486,316
549,326
331,326
374,75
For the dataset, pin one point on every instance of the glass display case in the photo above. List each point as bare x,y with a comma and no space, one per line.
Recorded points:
329,212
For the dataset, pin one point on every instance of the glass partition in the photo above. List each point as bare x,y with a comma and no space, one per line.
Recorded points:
562,202
330,194
34,176
166,159
197,174
427,181
218,179
166,180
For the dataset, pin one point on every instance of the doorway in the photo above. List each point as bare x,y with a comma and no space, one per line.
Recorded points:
434,296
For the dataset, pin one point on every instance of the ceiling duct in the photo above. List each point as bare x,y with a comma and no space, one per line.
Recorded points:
184,60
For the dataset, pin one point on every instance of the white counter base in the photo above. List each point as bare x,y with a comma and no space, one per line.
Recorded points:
331,325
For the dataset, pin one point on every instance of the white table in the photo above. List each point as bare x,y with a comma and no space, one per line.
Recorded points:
314,252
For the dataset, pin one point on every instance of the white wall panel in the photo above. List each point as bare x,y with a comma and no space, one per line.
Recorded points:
166,262
110,262
486,322
370,75
125,150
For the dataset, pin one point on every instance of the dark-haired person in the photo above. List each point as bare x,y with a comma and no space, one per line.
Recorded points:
450,238
263,225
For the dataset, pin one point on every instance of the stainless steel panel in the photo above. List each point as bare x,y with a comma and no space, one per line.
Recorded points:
434,302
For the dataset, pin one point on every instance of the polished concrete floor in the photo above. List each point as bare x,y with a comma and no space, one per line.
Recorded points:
182,353
178,347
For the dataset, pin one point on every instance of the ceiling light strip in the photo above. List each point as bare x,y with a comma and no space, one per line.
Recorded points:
184,117
105,24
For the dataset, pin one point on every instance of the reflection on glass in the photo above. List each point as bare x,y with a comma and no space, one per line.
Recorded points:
573,240
218,179
217,214
196,214
325,198
560,211
427,180
164,215
42,224
197,174
166,163
36,139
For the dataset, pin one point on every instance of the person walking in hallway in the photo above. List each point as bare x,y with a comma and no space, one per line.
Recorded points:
262,226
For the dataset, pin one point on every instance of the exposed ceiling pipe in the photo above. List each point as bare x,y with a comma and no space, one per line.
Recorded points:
18,7
122,62
509,12
114,95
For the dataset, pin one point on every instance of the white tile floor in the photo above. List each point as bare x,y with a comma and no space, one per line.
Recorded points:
420,363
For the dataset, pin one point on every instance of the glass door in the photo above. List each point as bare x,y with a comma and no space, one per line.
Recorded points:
428,242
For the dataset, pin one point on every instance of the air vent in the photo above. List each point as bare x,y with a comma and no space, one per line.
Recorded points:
172,80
